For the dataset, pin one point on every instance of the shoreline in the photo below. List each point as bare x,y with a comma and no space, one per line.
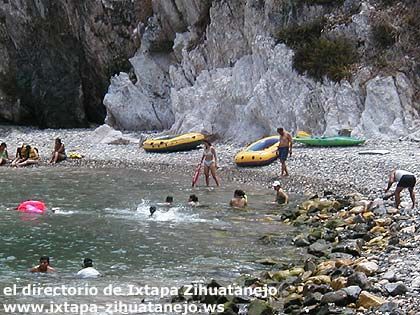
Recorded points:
312,170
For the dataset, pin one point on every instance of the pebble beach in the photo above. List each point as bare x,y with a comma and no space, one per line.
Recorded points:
342,171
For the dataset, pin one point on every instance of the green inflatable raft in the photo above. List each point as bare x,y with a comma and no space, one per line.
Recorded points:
338,141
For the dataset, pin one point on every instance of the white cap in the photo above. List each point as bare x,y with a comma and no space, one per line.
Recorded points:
276,184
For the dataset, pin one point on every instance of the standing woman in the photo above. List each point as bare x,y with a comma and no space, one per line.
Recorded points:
59,153
210,162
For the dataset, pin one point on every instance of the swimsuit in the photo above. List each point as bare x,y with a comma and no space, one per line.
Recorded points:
283,152
405,179
3,155
208,153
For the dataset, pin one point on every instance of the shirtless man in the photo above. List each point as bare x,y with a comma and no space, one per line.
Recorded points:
404,179
44,265
285,148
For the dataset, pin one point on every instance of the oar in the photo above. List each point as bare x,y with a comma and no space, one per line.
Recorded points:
197,172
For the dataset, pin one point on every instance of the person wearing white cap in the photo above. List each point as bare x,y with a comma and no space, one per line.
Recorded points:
281,196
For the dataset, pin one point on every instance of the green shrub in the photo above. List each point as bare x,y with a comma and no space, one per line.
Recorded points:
323,57
383,35
296,36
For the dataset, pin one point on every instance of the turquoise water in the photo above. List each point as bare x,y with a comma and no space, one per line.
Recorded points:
104,214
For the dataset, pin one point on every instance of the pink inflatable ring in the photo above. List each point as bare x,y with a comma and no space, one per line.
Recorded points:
32,206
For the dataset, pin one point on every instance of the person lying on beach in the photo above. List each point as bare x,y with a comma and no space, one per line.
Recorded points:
193,201
4,156
404,179
239,199
26,156
281,196
88,271
44,265
59,153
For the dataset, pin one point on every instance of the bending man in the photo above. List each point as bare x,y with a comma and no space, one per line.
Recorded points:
404,179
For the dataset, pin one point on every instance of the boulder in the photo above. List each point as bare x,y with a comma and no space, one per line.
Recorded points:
368,300
353,292
359,279
339,298
258,307
395,289
368,267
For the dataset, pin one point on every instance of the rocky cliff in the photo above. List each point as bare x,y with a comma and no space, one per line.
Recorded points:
58,55
230,68
236,69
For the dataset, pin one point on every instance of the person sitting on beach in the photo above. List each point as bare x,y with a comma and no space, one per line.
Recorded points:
44,265
239,199
210,162
59,153
27,156
281,196
18,157
88,271
404,179
193,200
4,156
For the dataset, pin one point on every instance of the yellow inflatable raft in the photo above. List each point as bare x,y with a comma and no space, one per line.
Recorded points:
182,142
261,152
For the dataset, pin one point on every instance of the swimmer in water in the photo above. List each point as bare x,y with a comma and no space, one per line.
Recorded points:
239,199
152,210
193,201
44,265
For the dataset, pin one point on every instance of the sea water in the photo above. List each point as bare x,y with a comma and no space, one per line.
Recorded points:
104,214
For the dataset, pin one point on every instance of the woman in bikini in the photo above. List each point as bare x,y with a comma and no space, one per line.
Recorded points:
210,162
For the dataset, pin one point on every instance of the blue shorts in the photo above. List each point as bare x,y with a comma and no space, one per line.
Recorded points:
283,152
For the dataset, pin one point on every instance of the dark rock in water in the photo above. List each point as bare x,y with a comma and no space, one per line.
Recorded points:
328,193
352,247
353,293
300,241
258,307
320,248
310,265
358,279
272,239
395,289
290,214
339,298
312,298
250,281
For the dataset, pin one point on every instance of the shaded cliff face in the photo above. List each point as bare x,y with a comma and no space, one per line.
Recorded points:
240,69
58,56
